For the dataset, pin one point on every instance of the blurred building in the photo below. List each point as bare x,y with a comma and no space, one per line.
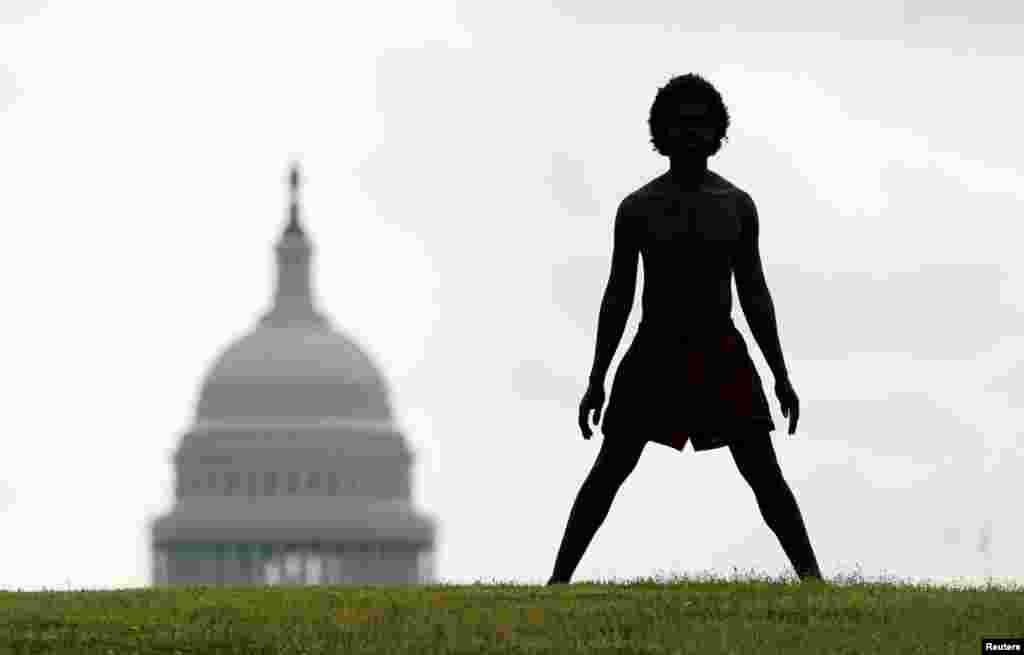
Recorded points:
293,471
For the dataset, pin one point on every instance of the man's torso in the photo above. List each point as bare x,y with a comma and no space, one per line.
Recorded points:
687,241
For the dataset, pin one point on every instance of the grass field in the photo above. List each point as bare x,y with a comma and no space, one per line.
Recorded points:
744,614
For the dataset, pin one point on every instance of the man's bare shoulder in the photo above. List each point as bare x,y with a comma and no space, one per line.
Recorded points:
653,189
723,185
640,200
720,185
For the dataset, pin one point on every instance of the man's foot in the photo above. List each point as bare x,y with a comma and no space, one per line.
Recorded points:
553,581
815,581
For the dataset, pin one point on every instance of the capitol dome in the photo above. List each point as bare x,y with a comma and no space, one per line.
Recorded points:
294,458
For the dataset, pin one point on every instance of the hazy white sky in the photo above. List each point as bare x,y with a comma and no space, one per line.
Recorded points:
144,152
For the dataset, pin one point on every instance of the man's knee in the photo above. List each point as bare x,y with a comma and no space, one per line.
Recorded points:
615,464
614,470
756,461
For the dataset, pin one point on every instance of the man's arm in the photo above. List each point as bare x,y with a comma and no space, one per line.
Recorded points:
755,299
618,295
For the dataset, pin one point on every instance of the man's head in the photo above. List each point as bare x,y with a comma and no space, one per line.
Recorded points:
688,112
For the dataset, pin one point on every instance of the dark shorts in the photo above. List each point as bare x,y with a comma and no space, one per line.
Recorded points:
674,389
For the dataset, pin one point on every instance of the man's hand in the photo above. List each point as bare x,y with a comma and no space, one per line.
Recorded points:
790,403
593,399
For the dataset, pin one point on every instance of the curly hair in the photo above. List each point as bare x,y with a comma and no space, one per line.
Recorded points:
685,88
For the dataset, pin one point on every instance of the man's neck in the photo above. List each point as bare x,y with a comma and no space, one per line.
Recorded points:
688,173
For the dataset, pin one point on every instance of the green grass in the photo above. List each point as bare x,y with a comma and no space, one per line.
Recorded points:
645,615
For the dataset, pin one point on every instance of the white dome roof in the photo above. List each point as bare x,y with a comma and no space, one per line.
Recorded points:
305,372
294,367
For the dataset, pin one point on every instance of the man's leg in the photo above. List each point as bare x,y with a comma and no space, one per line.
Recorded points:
615,461
756,461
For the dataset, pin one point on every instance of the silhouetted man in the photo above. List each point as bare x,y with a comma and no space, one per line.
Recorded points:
687,376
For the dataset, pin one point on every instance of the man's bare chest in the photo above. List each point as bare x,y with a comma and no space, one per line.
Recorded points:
691,217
